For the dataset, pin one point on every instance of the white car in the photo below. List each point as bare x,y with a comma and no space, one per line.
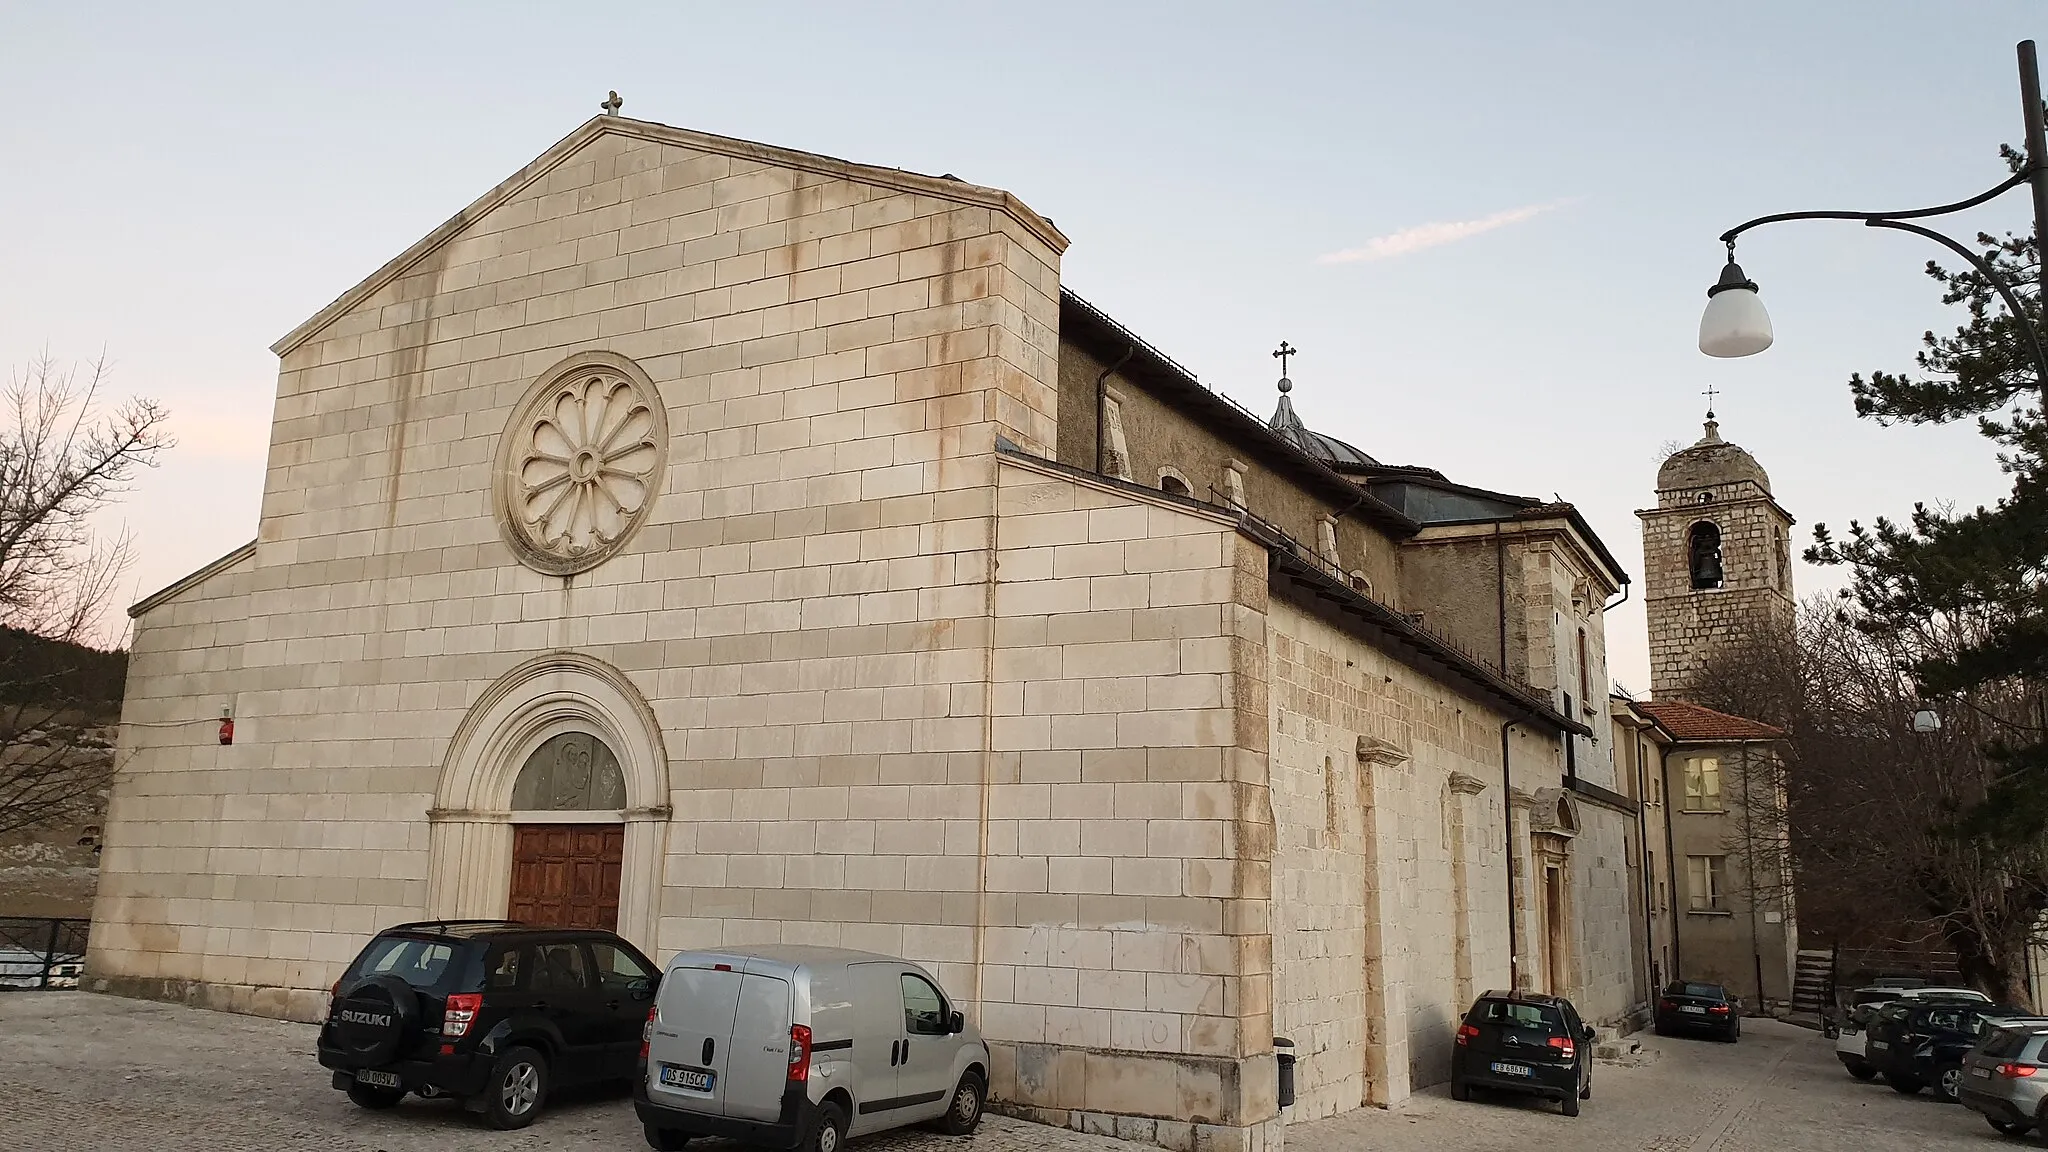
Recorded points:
1864,1005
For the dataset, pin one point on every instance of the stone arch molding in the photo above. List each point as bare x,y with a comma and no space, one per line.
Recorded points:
470,839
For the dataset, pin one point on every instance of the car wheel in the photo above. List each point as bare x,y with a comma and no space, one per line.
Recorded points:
1863,1071
666,1139
516,1089
1903,1085
965,1110
830,1135
1571,1104
1460,1090
1948,1082
374,1098
2008,1128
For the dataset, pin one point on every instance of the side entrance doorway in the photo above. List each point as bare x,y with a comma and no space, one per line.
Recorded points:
567,875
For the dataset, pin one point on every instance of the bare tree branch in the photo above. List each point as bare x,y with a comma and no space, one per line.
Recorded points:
62,461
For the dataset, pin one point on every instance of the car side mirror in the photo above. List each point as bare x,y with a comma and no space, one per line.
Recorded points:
642,988
956,1023
1588,1035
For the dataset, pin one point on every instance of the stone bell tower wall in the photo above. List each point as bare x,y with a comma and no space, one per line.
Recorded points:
1689,628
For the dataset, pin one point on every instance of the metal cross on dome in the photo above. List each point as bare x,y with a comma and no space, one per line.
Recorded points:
1710,393
1283,352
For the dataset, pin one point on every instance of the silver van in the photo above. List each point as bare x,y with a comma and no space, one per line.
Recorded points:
789,1046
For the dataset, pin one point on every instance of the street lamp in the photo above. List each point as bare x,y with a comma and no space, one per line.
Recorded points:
1926,720
1735,323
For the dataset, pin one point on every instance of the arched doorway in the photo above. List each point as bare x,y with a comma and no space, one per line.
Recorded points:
568,840
554,795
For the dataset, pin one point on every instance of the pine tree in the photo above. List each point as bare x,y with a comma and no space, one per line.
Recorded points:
1980,576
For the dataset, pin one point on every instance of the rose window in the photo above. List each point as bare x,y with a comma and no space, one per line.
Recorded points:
582,463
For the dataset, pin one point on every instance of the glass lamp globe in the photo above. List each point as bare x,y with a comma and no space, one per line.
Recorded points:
1735,323
1926,720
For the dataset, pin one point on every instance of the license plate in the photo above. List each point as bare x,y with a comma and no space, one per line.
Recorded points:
1880,1044
1981,1073
1692,1009
1513,1069
687,1079
380,1079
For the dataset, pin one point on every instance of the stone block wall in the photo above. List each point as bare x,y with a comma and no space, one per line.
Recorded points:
1126,967
1688,627
1389,877
1160,436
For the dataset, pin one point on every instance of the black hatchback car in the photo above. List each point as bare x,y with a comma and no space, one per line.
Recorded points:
1524,1042
490,1012
1913,1044
1690,1006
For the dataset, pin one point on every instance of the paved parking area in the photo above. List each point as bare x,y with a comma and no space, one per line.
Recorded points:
1779,1090
86,1072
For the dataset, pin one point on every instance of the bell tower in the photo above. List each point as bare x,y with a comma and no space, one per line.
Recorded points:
1717,560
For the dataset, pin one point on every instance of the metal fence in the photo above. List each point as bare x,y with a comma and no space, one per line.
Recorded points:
41,951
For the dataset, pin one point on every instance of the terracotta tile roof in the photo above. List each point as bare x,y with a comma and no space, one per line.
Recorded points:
1692,722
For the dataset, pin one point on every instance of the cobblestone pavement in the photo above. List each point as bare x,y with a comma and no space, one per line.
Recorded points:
80,1072
1779,1090
93,1072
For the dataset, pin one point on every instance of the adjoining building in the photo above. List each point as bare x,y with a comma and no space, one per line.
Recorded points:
774,542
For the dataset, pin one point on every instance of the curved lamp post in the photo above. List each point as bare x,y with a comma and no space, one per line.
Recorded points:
1735,323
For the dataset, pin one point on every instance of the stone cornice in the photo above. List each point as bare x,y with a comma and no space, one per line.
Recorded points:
193,580
958,191
1380,752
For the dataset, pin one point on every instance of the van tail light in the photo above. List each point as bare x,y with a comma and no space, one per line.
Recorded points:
799,1053
1564,1046
1465,1034
647,1034
460,1014
2018,1071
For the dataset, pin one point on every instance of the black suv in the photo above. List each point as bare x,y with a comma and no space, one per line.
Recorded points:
1914,1043
491,1012
1689,1006
1524,1042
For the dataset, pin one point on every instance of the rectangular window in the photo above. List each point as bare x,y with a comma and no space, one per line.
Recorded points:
1703,784
1585,673
1706,879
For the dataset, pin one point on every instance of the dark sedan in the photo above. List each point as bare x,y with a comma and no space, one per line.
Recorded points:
1690,1006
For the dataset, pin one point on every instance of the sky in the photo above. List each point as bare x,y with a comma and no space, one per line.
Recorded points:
1488,226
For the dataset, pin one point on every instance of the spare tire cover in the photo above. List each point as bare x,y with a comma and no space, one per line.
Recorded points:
373,1018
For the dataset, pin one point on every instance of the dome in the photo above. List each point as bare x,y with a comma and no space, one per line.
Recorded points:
1328,449
1710,462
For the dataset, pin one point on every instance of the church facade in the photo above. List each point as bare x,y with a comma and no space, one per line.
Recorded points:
729,544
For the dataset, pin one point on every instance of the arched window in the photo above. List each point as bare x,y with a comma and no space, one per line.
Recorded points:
1173,486
1703,555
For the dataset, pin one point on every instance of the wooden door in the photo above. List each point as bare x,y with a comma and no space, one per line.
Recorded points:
567,875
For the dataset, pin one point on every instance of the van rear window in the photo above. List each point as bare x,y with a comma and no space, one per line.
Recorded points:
420,963
1534,1017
